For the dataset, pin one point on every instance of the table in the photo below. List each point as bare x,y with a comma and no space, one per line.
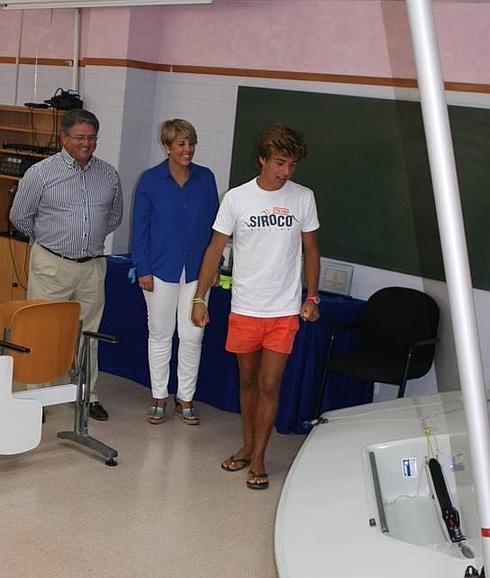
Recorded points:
125,316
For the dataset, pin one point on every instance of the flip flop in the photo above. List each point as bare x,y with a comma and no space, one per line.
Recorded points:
233,464
257,481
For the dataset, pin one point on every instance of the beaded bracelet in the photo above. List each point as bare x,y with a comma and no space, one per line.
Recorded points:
314,299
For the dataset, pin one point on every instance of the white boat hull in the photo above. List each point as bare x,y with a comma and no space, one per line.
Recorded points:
327,511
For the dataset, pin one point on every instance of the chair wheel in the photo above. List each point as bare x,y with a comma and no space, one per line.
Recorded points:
111,462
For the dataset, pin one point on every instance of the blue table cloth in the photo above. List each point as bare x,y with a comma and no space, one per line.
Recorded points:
217,385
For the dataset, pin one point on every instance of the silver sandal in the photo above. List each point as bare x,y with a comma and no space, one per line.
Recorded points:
186,414
156,414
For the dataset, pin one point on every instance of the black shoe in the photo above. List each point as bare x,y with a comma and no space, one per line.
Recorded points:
97,411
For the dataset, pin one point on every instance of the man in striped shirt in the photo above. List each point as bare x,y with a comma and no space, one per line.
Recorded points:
67,204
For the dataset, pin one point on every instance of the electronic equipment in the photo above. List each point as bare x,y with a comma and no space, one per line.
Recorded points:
27,148
65,100
36,104
16,165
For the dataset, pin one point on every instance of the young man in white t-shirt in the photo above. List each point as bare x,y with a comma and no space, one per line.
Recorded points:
273,221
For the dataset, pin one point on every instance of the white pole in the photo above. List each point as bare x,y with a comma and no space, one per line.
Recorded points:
454,251
36,69
76,50
17,58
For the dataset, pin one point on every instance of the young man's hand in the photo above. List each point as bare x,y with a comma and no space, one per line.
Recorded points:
309,311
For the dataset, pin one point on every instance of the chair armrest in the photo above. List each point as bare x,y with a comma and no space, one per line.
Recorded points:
100,336
13,346
423,343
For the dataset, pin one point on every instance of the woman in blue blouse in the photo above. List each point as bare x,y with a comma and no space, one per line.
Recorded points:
174,209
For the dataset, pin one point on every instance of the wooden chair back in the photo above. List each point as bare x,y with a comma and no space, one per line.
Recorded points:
49,329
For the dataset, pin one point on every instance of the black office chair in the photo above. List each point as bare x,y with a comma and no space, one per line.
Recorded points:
397,337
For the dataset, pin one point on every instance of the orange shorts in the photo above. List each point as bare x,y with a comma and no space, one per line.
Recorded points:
248,334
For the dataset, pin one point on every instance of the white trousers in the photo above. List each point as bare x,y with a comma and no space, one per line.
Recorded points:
168,304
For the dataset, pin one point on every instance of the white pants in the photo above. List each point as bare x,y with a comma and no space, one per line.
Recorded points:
167,304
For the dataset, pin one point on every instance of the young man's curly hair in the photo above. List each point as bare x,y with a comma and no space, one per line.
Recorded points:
281,139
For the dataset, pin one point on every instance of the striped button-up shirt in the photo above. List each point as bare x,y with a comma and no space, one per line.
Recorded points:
68,209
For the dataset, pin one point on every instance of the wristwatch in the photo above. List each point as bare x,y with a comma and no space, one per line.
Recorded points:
314,298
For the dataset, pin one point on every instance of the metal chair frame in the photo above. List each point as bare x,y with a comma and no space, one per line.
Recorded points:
79,392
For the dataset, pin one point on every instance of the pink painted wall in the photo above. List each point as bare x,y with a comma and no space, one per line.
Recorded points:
358,37
105,33
145,33
47,32
329,37
336,36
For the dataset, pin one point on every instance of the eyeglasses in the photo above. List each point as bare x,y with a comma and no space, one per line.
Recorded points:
80,138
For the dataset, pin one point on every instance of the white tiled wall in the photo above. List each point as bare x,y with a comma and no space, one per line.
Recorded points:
138,134
37,84
208,102
7,83
131,105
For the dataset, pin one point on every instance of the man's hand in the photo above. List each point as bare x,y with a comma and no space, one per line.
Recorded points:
199,315
146,282
309,311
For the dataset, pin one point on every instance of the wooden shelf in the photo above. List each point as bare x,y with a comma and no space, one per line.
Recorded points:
27,130
33,127
9,177
22,153
14,109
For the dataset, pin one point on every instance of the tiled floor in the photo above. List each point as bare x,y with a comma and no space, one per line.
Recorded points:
167,510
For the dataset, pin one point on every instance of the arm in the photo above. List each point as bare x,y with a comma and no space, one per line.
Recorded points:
115,215
214,211
309,310
207,275
141,237
26,203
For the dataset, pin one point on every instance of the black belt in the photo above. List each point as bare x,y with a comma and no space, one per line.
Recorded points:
79,260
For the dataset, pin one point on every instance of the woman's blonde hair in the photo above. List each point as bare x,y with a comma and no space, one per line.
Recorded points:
171,129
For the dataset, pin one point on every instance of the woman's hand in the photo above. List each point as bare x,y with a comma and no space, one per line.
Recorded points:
146,282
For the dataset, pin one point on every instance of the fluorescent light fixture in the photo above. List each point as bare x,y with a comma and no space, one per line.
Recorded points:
33,4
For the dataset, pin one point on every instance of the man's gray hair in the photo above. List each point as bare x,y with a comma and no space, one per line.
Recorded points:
78,115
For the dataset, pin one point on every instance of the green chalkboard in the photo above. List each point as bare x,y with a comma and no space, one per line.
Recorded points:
367,163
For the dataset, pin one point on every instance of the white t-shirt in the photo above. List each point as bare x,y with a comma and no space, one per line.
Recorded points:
266,228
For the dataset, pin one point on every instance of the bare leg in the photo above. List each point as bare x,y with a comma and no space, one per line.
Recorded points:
269,377
248,364
260,379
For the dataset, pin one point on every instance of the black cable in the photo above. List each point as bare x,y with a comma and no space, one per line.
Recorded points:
12,259
52,142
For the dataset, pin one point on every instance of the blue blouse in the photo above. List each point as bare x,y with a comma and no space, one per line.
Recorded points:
172,225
